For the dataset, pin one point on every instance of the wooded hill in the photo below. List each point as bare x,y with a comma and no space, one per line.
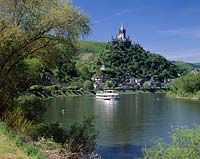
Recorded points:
123,63
135,62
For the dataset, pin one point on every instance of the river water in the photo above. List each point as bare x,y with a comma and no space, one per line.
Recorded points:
125,126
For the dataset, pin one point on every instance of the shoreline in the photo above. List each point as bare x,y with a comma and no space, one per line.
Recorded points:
186,98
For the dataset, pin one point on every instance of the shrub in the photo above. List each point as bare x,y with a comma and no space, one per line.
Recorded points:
109,84
184,145
87,85
17,120
37,88
47,130
82,137
72,88
32,107
49,90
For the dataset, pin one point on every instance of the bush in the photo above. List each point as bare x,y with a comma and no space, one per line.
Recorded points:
47,130
72,88
49,90
109,84
184,145
37,88
88,85
32,107
82,137
17,120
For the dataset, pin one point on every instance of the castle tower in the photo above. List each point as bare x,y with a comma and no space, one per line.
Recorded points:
122,33
121,38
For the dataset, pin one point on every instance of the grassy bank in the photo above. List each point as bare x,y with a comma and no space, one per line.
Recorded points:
184,96
12,147
140,91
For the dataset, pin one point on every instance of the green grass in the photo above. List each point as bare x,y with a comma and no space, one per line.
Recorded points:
11,146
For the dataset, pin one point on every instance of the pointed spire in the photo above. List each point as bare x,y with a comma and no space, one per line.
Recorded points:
122,27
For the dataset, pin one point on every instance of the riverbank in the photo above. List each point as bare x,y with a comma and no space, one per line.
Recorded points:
176,96
11,146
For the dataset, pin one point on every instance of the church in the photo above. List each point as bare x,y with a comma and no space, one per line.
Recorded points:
121,38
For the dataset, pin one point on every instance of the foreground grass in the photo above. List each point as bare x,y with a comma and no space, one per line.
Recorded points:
9,150
11,146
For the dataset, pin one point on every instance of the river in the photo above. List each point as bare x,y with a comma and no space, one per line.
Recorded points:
125,126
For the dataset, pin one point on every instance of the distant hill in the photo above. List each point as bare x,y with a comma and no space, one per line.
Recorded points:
195,65
186,67
91,46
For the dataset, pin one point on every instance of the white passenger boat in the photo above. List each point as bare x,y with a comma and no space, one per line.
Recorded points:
107,95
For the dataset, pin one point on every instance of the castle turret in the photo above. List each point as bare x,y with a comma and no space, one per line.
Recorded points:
122,33
121,38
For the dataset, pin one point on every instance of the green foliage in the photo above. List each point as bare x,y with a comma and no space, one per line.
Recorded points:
40,90
186,85
31,29
109,84
183,67
28,148
91,46
33,66
17,120
88,85
72,88
87,68
122,63
184,145
32,107
82,137
47,130
147,85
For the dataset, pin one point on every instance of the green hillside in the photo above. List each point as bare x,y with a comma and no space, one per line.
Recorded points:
91,46
185,67
122,63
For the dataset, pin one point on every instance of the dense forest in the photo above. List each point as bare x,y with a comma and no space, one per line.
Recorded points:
122,62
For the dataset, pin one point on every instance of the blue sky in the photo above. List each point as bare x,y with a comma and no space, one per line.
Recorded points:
167,27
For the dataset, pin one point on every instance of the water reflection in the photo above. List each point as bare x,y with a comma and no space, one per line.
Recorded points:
132,120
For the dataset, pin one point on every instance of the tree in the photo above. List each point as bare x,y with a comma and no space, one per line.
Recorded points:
147,85
186,85
88,85
30,27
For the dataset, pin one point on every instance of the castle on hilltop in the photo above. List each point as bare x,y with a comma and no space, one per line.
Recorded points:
121,38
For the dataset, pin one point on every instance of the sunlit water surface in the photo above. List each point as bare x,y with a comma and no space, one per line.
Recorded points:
125,126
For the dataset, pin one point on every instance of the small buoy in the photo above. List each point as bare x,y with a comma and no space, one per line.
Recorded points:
63,110
158,99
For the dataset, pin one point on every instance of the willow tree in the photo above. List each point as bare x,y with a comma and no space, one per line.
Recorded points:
30,27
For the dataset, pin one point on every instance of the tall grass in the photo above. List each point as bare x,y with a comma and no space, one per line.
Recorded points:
29,149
